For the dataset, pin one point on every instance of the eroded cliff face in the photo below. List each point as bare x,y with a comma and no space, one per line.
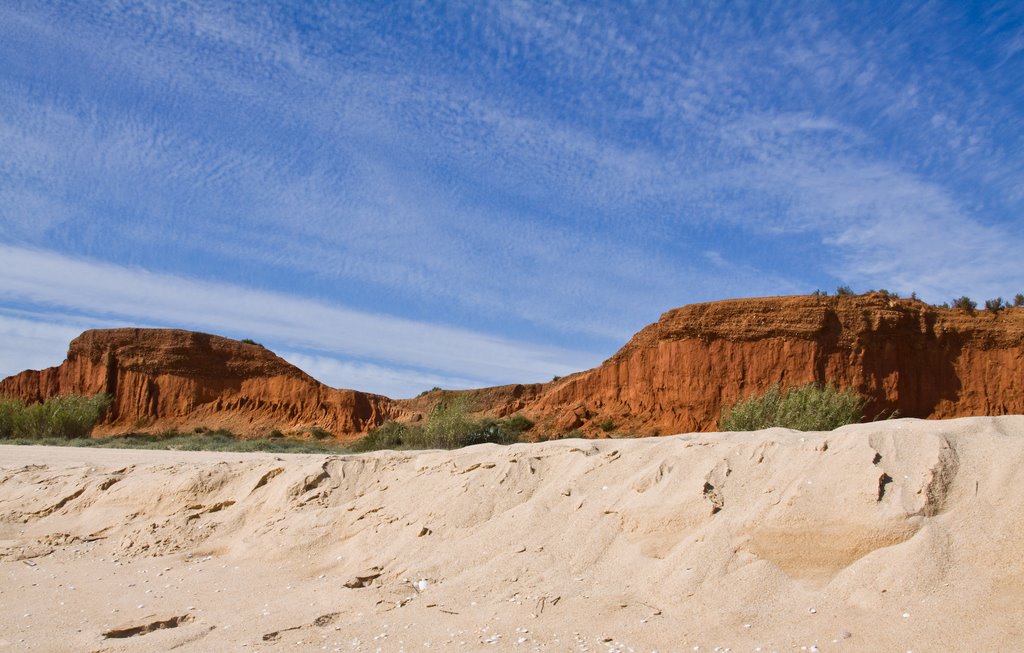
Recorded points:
676,374
168,378
673,376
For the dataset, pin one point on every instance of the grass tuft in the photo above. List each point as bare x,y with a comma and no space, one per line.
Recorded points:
191,441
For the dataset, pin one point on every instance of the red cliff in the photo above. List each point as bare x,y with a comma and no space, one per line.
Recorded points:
673,376
167,378
676,374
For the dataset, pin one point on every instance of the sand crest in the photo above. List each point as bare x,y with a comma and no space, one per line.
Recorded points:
894,536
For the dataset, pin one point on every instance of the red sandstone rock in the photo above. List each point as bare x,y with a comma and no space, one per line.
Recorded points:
167,378
673,376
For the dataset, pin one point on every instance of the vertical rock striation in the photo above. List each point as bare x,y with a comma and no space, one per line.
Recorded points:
168,378
673,376
676,375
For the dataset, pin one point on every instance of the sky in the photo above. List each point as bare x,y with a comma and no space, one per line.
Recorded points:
397,196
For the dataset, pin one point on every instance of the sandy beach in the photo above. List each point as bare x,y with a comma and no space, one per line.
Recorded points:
902,535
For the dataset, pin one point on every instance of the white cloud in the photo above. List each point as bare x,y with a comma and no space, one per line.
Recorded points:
27,344
579,205
44,278
878,224
392,382
374,224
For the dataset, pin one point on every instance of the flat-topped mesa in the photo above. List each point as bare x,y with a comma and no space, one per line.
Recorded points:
676,375
170,378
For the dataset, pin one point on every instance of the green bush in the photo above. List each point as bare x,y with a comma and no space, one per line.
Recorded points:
74,416
1018,300
517,424
448,426
70,416
844,291
994,305
319,433
607,425
965,303
390,435
10,412
807,408
448,423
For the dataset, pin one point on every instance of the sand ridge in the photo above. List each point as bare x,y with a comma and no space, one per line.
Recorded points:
890,536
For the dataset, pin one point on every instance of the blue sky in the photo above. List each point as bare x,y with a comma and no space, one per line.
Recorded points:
397,196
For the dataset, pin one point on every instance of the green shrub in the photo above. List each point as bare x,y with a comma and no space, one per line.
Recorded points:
844,291
965,303
320,433
994,305
74,416
70,416
10,412
517,424
807,408
607,425
250,341
448,423
390,435
1018,300
448,426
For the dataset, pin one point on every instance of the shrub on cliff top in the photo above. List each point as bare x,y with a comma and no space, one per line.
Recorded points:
994,305
70,416
811,407
965,304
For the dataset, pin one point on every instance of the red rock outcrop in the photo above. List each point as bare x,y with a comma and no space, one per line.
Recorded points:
675,375
168,378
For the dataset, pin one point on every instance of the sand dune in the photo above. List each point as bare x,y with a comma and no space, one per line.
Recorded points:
895,536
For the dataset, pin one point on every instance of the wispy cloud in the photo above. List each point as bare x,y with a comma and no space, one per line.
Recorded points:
883,226
35,341
554,173
391,381
47,279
